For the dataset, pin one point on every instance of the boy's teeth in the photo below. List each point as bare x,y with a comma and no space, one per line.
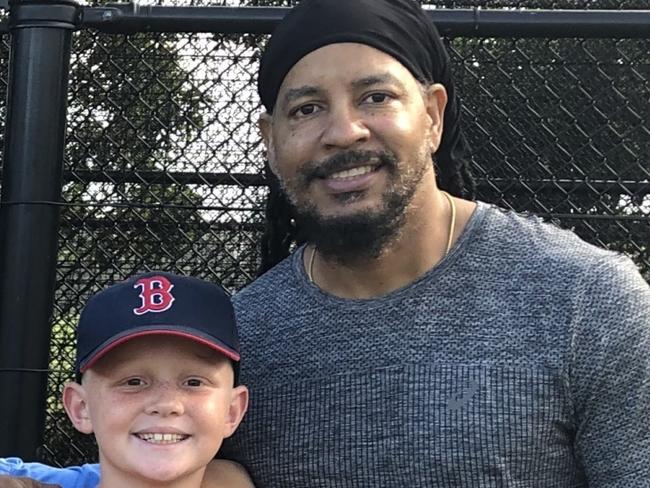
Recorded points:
350,173
156,438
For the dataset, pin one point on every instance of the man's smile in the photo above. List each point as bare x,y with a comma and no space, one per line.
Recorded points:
351,180
351,173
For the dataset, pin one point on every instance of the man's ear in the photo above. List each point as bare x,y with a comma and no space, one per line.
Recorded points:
237,409
436,101
265,124
76,406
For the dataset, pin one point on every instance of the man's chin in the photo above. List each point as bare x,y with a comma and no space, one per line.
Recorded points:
347,205
351,213
349,237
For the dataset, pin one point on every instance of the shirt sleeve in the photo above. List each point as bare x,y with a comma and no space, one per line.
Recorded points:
85,476
610,375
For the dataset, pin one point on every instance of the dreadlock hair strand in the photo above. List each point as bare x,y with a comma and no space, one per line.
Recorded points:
279,232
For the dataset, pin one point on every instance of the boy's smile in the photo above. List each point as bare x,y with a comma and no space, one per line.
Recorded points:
159,437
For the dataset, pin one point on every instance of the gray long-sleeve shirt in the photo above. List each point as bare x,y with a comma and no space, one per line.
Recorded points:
521,360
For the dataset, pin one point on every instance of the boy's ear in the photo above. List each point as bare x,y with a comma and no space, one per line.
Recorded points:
265,125
76,406
238,407
436,101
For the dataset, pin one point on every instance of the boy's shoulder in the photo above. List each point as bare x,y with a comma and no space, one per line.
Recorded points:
22,482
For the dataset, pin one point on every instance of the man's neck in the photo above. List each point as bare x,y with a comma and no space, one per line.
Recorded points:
421,244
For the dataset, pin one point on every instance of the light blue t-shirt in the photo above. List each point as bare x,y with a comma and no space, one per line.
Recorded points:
86,476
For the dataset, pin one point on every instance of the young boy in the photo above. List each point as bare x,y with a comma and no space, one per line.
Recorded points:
157,363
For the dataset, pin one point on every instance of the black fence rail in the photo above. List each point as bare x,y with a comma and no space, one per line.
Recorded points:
131,144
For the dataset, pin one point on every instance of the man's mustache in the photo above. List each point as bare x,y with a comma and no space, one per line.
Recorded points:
345,160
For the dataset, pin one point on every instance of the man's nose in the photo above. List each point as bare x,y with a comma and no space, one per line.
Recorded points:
345,128
165,400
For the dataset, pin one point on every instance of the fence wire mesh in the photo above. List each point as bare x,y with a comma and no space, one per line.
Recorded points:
163,160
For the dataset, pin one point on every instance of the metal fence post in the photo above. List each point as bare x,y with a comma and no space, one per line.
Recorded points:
41,33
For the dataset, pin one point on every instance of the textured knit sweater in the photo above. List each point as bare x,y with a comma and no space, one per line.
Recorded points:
521,360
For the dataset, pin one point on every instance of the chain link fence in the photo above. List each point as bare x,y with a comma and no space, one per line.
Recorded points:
163,160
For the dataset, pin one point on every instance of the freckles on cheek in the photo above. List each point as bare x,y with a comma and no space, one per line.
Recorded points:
112,403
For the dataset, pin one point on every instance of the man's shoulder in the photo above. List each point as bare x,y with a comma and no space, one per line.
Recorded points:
529,238
541,253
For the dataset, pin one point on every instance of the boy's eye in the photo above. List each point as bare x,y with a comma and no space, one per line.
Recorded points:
194,382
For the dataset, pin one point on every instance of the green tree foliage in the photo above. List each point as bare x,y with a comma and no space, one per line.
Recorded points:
132,109
556,127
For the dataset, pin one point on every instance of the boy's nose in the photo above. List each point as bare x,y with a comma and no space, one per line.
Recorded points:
166,400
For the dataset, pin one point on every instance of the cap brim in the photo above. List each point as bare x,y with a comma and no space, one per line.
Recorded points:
112,343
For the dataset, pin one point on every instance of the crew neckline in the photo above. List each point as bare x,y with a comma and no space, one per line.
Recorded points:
440,267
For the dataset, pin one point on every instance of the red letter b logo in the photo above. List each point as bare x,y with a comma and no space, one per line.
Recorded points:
155,293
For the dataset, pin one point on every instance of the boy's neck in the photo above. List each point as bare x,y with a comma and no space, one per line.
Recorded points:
113,479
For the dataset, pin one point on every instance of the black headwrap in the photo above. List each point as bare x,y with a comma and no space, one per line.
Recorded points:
399,28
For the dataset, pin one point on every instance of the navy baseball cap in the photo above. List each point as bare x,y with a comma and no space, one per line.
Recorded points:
156,303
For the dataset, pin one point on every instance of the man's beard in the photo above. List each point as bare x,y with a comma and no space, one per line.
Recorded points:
346,239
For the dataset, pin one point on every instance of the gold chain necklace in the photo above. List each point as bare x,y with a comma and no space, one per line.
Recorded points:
452,228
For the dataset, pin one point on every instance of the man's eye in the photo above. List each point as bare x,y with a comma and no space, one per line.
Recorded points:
134,382
193,382
304,110
376,98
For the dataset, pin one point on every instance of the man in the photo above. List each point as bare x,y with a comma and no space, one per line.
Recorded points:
414,338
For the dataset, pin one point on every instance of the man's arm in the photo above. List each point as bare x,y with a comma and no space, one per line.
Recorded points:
610,375
86,476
